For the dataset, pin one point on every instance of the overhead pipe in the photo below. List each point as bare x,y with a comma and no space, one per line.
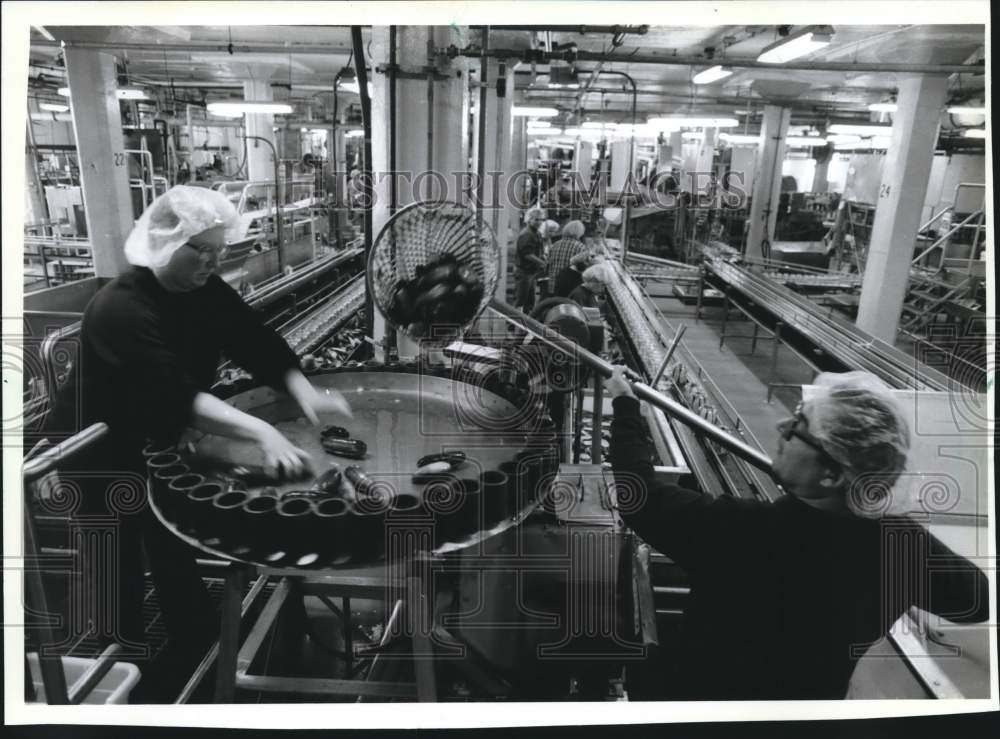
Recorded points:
543,57
582,30
227,49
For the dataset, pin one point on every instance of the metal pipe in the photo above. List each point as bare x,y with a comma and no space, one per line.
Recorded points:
361,74
666,357
481,125
529,55
62,452
641,390
226,49
279,226
582,30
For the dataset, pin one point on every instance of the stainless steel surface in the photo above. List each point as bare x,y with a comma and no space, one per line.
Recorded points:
309,330
401,417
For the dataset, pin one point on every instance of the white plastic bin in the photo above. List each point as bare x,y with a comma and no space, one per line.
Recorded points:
114,687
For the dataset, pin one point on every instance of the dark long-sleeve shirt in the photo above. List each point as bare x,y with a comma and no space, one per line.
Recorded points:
146,352
784,597
529,244
566,281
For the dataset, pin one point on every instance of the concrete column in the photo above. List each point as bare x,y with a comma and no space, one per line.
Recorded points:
620,164
100,146
823,157
664,157
583,162
260,166
767,185
900,202
431,132
498,210
518,190
702,174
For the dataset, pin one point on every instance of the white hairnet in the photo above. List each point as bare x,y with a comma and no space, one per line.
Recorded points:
574,229
600,272
531,211
860,424
178,215
551,228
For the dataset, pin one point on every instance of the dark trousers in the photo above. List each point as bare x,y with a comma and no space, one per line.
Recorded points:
524,290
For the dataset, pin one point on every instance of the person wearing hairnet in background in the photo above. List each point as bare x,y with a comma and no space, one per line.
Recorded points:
787,595
150,344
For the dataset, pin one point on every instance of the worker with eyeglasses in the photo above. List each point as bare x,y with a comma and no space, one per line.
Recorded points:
786,596
151,342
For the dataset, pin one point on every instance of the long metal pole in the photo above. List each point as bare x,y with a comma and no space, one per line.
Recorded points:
361,74
645,392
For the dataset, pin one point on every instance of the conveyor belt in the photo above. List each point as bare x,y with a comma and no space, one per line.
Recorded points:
308,331
838,339
649,335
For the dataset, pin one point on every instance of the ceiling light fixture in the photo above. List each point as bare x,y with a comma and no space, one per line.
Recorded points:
236,108
842,138
535,112
739,138
800,43
860,130
665,123
539,124
877,142
966,110
131,93
353,86
53,107
354,133
882,107
712,74
805,141
975,133
64,91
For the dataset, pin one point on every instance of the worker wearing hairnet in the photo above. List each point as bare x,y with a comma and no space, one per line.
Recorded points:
787,595
150,344
529,260
594,281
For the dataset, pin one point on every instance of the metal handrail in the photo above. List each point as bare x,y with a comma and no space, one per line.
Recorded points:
945,237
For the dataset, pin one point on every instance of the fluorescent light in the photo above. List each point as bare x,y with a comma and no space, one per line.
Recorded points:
693,135
318,130
123,93
541,124
878,142
586,132
239,107
546,131
798,44
675,122
804,141
354,133
53,107
860,130
975,133
536,112
882,107
353,86
965,110
739,138
712,74
842,138
131,93
597,124
569,86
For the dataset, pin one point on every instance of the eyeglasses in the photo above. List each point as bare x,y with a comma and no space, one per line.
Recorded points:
791,427
209,251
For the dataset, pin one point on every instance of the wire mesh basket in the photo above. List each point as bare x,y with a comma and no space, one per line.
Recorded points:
433,269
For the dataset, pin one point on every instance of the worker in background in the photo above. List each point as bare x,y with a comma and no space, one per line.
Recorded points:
571,277
563,250
150,345
550,234
786,596
528,261
594,281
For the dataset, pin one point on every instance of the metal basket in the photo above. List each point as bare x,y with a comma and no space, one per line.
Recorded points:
422,233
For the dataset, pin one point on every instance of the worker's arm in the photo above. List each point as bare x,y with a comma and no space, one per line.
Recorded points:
215,416
683,524
956,589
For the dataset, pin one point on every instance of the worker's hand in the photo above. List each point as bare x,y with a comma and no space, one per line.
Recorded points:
282,459
617,385
315,403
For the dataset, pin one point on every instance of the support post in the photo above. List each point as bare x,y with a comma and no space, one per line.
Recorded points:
767,188
97,126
